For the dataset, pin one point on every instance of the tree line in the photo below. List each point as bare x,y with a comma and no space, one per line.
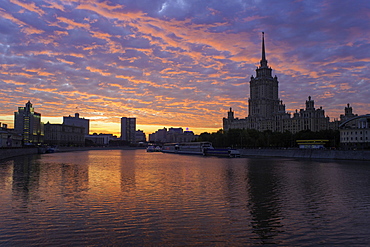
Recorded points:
250,138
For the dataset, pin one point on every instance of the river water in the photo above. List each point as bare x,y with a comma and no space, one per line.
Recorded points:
135,198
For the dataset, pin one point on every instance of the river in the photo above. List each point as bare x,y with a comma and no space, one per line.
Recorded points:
135,198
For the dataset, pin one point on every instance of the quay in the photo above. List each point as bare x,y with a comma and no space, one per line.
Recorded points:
308,153
364,155
6,153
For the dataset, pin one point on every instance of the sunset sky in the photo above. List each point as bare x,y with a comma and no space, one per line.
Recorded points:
180,63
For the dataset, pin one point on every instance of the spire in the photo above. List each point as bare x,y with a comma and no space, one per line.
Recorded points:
263,60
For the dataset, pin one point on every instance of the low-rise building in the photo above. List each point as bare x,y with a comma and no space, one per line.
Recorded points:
64,135
355,132
172,135
140,136
9,138
101,139
77,121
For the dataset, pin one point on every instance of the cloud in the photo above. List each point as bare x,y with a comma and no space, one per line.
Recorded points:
179,63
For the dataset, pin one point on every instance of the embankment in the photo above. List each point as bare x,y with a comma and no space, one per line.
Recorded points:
308,153
6,153
287,153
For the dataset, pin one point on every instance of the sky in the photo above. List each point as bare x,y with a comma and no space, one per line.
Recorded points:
179,63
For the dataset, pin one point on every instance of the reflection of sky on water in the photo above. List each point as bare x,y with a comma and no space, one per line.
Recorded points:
134,197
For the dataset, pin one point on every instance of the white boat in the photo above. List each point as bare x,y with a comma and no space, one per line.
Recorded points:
222,152
203,148
187,147
152,148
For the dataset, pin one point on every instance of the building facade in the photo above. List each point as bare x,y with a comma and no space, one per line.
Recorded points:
8,137
64,135
28,123
128,129
267,111
101,139
172,135
77,121
355,132
140,136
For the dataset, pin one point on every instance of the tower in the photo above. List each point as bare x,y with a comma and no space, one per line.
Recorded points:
128,129
264,101
28,123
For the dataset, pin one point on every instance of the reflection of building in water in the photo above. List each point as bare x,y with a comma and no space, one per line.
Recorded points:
6,178
29,176
267,111
128,173
74,178
104,173
264,202
26,179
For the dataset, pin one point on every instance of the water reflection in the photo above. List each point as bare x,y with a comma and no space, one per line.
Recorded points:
152,199
25,180
264,184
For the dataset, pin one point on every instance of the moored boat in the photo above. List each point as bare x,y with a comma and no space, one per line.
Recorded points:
187,147
222,152
153,148
202,148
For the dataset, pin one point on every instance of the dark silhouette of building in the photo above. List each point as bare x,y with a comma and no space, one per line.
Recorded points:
267,111
64,135
77,121
128,129
28,123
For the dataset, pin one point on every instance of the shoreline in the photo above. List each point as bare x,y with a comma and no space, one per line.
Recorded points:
361,155
6,153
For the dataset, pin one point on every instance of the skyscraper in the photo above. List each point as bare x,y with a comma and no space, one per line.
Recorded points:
28,123
264,102
267,111
128,129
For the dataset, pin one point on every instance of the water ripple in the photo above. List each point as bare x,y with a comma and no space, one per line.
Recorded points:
128,197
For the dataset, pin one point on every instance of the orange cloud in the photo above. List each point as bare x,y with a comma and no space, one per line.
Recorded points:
14,82
53,4
65,61
98,71
72,24
29,6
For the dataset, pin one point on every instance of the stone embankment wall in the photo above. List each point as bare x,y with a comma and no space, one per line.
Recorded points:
308,153
12,152
288,153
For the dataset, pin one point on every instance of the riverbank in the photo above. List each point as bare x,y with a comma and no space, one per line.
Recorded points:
74,149
307,153
6,153
286,153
